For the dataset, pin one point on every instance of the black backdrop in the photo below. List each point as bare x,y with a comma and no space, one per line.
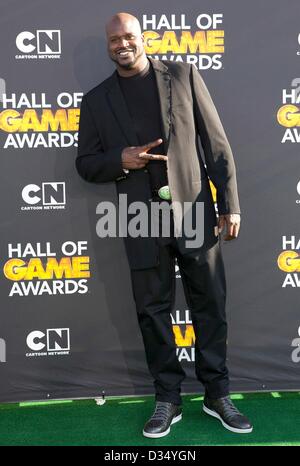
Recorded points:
73,332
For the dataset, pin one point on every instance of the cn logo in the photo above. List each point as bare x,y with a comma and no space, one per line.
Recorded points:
44,41
49,194
296,351
2,350
55,339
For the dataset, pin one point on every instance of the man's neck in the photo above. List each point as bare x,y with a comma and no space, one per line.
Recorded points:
136,70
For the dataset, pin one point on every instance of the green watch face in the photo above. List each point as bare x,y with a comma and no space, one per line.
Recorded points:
164,193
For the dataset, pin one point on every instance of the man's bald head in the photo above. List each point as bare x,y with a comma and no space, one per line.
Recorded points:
125,43
123,18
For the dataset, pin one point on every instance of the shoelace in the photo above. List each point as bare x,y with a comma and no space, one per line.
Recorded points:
229,409
161,411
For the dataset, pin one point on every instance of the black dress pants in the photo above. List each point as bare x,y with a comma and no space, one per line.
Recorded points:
204,285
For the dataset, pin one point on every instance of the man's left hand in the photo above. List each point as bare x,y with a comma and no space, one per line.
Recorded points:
232,223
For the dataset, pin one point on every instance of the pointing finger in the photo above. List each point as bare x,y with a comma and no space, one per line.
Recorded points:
146,156
148,146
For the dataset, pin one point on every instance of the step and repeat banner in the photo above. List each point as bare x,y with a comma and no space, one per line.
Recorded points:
68,326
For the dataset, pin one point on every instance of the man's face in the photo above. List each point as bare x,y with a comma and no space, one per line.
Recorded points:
125,44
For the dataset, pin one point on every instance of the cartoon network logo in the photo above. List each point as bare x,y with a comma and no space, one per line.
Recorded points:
296,352
298,191
52,342
48,196
42,43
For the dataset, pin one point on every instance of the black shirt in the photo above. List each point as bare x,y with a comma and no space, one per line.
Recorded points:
142,100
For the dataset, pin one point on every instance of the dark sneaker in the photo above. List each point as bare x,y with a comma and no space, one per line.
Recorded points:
164,415
224,410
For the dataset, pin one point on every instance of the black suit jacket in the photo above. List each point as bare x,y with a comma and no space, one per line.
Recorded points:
187,111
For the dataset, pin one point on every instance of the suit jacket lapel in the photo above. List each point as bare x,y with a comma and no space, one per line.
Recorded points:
120,111
163,80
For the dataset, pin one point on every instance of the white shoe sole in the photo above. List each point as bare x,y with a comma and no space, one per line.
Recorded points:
232,429
166,432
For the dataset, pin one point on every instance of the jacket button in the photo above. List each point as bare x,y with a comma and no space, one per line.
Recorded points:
146,171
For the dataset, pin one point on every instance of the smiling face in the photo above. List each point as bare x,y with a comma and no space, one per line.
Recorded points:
125,44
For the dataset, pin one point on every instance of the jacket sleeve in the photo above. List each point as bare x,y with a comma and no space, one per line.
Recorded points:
217,152
93,163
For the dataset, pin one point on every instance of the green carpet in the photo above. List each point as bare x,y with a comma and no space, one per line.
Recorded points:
275,416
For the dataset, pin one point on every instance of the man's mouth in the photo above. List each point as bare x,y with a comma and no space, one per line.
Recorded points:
124,53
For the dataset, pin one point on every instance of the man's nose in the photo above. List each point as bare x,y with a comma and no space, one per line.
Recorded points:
124,42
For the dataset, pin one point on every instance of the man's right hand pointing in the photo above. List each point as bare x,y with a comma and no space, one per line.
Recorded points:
137,156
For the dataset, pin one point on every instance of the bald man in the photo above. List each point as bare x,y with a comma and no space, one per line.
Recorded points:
141,128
